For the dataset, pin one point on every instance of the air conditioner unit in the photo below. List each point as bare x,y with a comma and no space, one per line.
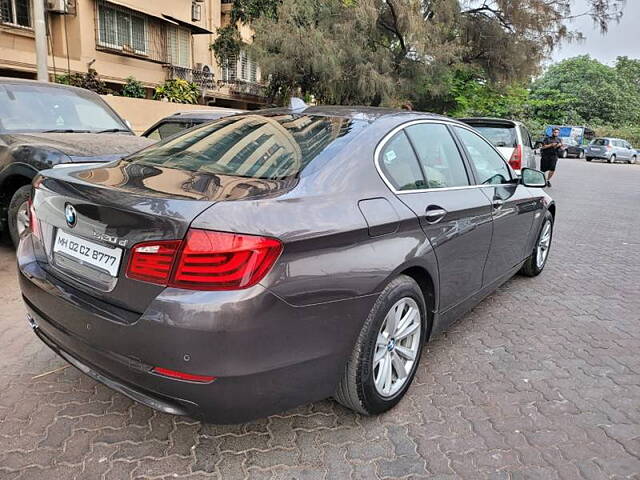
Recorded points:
203,67
58,6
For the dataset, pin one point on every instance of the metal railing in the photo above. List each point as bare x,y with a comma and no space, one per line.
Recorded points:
204,80
245,89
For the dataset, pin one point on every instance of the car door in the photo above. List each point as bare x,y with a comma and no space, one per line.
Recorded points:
628,150
455,215
619,149
513,205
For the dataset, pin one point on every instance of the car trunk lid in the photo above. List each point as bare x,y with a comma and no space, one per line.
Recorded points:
90,218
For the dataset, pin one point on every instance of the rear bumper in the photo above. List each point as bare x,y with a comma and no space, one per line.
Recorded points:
267,355
600,155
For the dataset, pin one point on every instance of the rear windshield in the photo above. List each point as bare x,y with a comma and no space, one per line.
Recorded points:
600,141
500,136
253,146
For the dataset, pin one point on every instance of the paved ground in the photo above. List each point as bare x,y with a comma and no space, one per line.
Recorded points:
542,380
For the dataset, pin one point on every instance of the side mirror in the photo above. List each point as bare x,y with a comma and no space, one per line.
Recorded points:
532,178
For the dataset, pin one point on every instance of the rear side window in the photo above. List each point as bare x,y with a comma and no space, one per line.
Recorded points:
600,141
500,136
526,138
399,164
269,147
438,155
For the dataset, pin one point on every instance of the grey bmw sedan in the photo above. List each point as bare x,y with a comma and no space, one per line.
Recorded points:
275,258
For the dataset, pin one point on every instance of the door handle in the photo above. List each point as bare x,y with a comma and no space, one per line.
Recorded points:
434,213
497,203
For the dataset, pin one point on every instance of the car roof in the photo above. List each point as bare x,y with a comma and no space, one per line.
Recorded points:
202,114
37,83
368,114
489,120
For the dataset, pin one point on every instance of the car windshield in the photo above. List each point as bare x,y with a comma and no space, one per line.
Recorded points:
500,136
600,141
39,108
255,146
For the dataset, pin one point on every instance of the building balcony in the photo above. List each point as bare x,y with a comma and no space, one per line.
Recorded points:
204,79
233,89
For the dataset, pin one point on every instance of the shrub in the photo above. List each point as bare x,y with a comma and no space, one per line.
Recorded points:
133,89
90,81
178,91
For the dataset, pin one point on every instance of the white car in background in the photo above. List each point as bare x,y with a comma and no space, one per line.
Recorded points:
511,138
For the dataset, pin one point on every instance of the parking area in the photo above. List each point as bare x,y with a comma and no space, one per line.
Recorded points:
542,380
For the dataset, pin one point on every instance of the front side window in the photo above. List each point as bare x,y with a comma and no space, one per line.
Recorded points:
526,137
16,12
400,165
269,147
121,29
489,164
438,155
34,108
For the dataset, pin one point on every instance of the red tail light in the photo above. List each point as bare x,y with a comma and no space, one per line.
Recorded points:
152,261
34,224
205,260
165,372
516,158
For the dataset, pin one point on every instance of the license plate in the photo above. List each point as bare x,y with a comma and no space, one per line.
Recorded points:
88,253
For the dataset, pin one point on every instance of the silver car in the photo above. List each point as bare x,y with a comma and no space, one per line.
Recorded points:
511,138
611,150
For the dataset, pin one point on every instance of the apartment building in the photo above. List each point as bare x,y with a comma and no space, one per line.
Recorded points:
151,40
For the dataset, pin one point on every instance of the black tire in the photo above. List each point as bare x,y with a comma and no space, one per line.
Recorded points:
612,159
581,154
634,159
357,389
531,267
564,154
19,198
589,159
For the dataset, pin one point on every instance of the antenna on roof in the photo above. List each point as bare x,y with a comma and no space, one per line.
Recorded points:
297,104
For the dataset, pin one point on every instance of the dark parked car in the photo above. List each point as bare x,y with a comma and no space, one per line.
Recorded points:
43,125
177,122
270,259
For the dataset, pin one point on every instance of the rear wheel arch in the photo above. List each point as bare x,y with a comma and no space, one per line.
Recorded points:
11,183
423,278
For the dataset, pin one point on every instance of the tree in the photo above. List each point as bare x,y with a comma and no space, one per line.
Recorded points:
590,91
392,51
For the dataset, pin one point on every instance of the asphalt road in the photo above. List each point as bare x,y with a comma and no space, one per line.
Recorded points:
542,380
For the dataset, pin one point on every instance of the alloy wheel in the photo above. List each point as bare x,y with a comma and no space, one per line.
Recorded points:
22,218
397,347
544,242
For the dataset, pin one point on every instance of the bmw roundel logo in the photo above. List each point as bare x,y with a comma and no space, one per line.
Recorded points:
70,215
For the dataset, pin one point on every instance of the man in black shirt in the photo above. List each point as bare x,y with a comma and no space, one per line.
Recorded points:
551,146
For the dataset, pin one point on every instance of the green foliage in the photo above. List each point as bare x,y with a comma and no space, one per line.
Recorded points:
90,81
583,90
227,43
178,91
133,88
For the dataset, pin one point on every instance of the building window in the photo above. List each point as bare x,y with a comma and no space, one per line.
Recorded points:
179,46
244,68
16,12
121,29
230,70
